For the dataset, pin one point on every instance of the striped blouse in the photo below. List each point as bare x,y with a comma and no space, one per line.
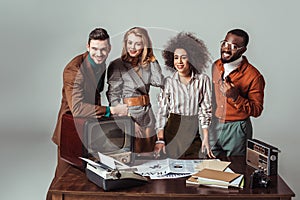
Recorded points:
191,99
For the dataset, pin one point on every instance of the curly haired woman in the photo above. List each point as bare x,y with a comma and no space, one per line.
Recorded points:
185,100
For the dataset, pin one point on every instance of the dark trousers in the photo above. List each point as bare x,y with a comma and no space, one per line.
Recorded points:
231,137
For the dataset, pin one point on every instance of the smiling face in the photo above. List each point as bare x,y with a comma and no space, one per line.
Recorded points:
98,50
232,48
134,45
181,63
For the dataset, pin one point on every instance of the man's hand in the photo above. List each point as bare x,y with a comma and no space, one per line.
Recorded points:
120,110
229,90
138,131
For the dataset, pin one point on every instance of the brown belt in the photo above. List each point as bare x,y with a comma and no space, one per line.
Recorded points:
137,101
226,121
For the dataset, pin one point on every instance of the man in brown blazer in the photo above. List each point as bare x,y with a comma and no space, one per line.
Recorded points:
83,80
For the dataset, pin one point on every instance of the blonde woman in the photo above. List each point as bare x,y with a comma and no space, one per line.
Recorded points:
129,80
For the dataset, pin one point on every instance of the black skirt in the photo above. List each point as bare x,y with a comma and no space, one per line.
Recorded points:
182,136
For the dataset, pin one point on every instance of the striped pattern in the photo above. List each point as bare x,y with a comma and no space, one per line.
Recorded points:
187,100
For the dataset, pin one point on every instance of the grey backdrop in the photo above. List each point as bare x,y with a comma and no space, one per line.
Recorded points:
38,38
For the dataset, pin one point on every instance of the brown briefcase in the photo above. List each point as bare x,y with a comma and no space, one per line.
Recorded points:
71,145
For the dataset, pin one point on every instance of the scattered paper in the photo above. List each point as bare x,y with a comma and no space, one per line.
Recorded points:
214,164
167,168
111,162
90,162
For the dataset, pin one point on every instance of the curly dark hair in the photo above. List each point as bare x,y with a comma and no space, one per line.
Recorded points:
198,55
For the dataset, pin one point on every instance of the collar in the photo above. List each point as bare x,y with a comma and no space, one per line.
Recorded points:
92,62
229,67
233,64
240,67
176,75
98,69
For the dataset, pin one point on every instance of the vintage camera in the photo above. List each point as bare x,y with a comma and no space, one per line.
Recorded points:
263,156
259,179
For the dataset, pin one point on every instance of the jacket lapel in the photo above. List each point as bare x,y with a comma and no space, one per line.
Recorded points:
136,78
91,81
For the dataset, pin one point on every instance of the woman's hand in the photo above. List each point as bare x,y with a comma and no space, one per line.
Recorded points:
158,148
205,144
205,149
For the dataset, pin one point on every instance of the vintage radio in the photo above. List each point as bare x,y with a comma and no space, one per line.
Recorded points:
262,156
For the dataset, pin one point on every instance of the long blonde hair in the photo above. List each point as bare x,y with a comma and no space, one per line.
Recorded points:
147,53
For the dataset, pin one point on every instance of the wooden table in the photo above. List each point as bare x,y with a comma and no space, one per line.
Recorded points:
73,184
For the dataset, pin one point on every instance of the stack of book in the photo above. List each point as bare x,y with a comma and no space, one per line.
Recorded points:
216,178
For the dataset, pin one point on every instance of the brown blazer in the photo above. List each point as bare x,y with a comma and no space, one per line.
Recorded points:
80,95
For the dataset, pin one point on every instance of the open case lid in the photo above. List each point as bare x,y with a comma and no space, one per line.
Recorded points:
75,138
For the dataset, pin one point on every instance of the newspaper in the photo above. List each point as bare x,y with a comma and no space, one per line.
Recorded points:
167,168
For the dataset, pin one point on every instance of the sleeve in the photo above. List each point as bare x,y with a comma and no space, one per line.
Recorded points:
205,106
73,81
115,83
163,107
157,77
253,104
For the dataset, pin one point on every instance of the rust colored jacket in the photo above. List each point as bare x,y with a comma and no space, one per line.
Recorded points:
80,95
250,84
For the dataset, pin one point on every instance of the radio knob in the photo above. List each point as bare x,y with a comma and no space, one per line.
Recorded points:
273,158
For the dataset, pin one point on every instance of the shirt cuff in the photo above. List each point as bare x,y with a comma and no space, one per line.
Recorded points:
204,126
107,113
